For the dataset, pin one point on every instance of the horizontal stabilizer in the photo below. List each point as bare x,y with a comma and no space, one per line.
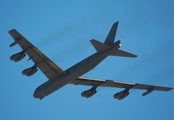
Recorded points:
100,47
121,53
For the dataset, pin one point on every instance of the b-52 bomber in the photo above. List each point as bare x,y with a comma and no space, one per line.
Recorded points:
59,78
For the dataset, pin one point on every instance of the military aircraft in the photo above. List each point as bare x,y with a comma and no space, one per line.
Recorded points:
59,78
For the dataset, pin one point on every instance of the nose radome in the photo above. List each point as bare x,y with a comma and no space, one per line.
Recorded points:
37,94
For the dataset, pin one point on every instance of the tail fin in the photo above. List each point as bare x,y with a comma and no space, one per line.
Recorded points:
109,44
111,36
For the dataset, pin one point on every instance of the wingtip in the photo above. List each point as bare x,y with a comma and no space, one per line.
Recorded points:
11,30
136,56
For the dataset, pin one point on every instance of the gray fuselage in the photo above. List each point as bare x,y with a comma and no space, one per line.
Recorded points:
71,74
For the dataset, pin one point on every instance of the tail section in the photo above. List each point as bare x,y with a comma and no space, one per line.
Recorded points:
110,45
100,47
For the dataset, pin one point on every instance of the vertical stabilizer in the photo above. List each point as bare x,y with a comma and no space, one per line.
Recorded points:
111,36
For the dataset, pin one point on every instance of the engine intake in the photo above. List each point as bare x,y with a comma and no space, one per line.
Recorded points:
29,71
18,56
121,95
89,93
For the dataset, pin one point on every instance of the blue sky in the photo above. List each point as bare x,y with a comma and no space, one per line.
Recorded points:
62,30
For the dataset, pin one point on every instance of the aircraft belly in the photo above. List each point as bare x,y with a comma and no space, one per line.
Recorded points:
71,74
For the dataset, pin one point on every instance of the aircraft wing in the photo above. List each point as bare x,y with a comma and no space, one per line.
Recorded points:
49,68
116,84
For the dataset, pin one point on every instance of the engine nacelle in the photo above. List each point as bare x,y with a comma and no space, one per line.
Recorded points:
88,93
121,95
18,56
29,71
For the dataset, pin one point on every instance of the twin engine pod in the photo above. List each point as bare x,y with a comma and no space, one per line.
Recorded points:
29,71
18,56
89,93
121,95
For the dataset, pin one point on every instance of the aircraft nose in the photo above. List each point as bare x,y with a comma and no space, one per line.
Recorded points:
35,95
38,94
